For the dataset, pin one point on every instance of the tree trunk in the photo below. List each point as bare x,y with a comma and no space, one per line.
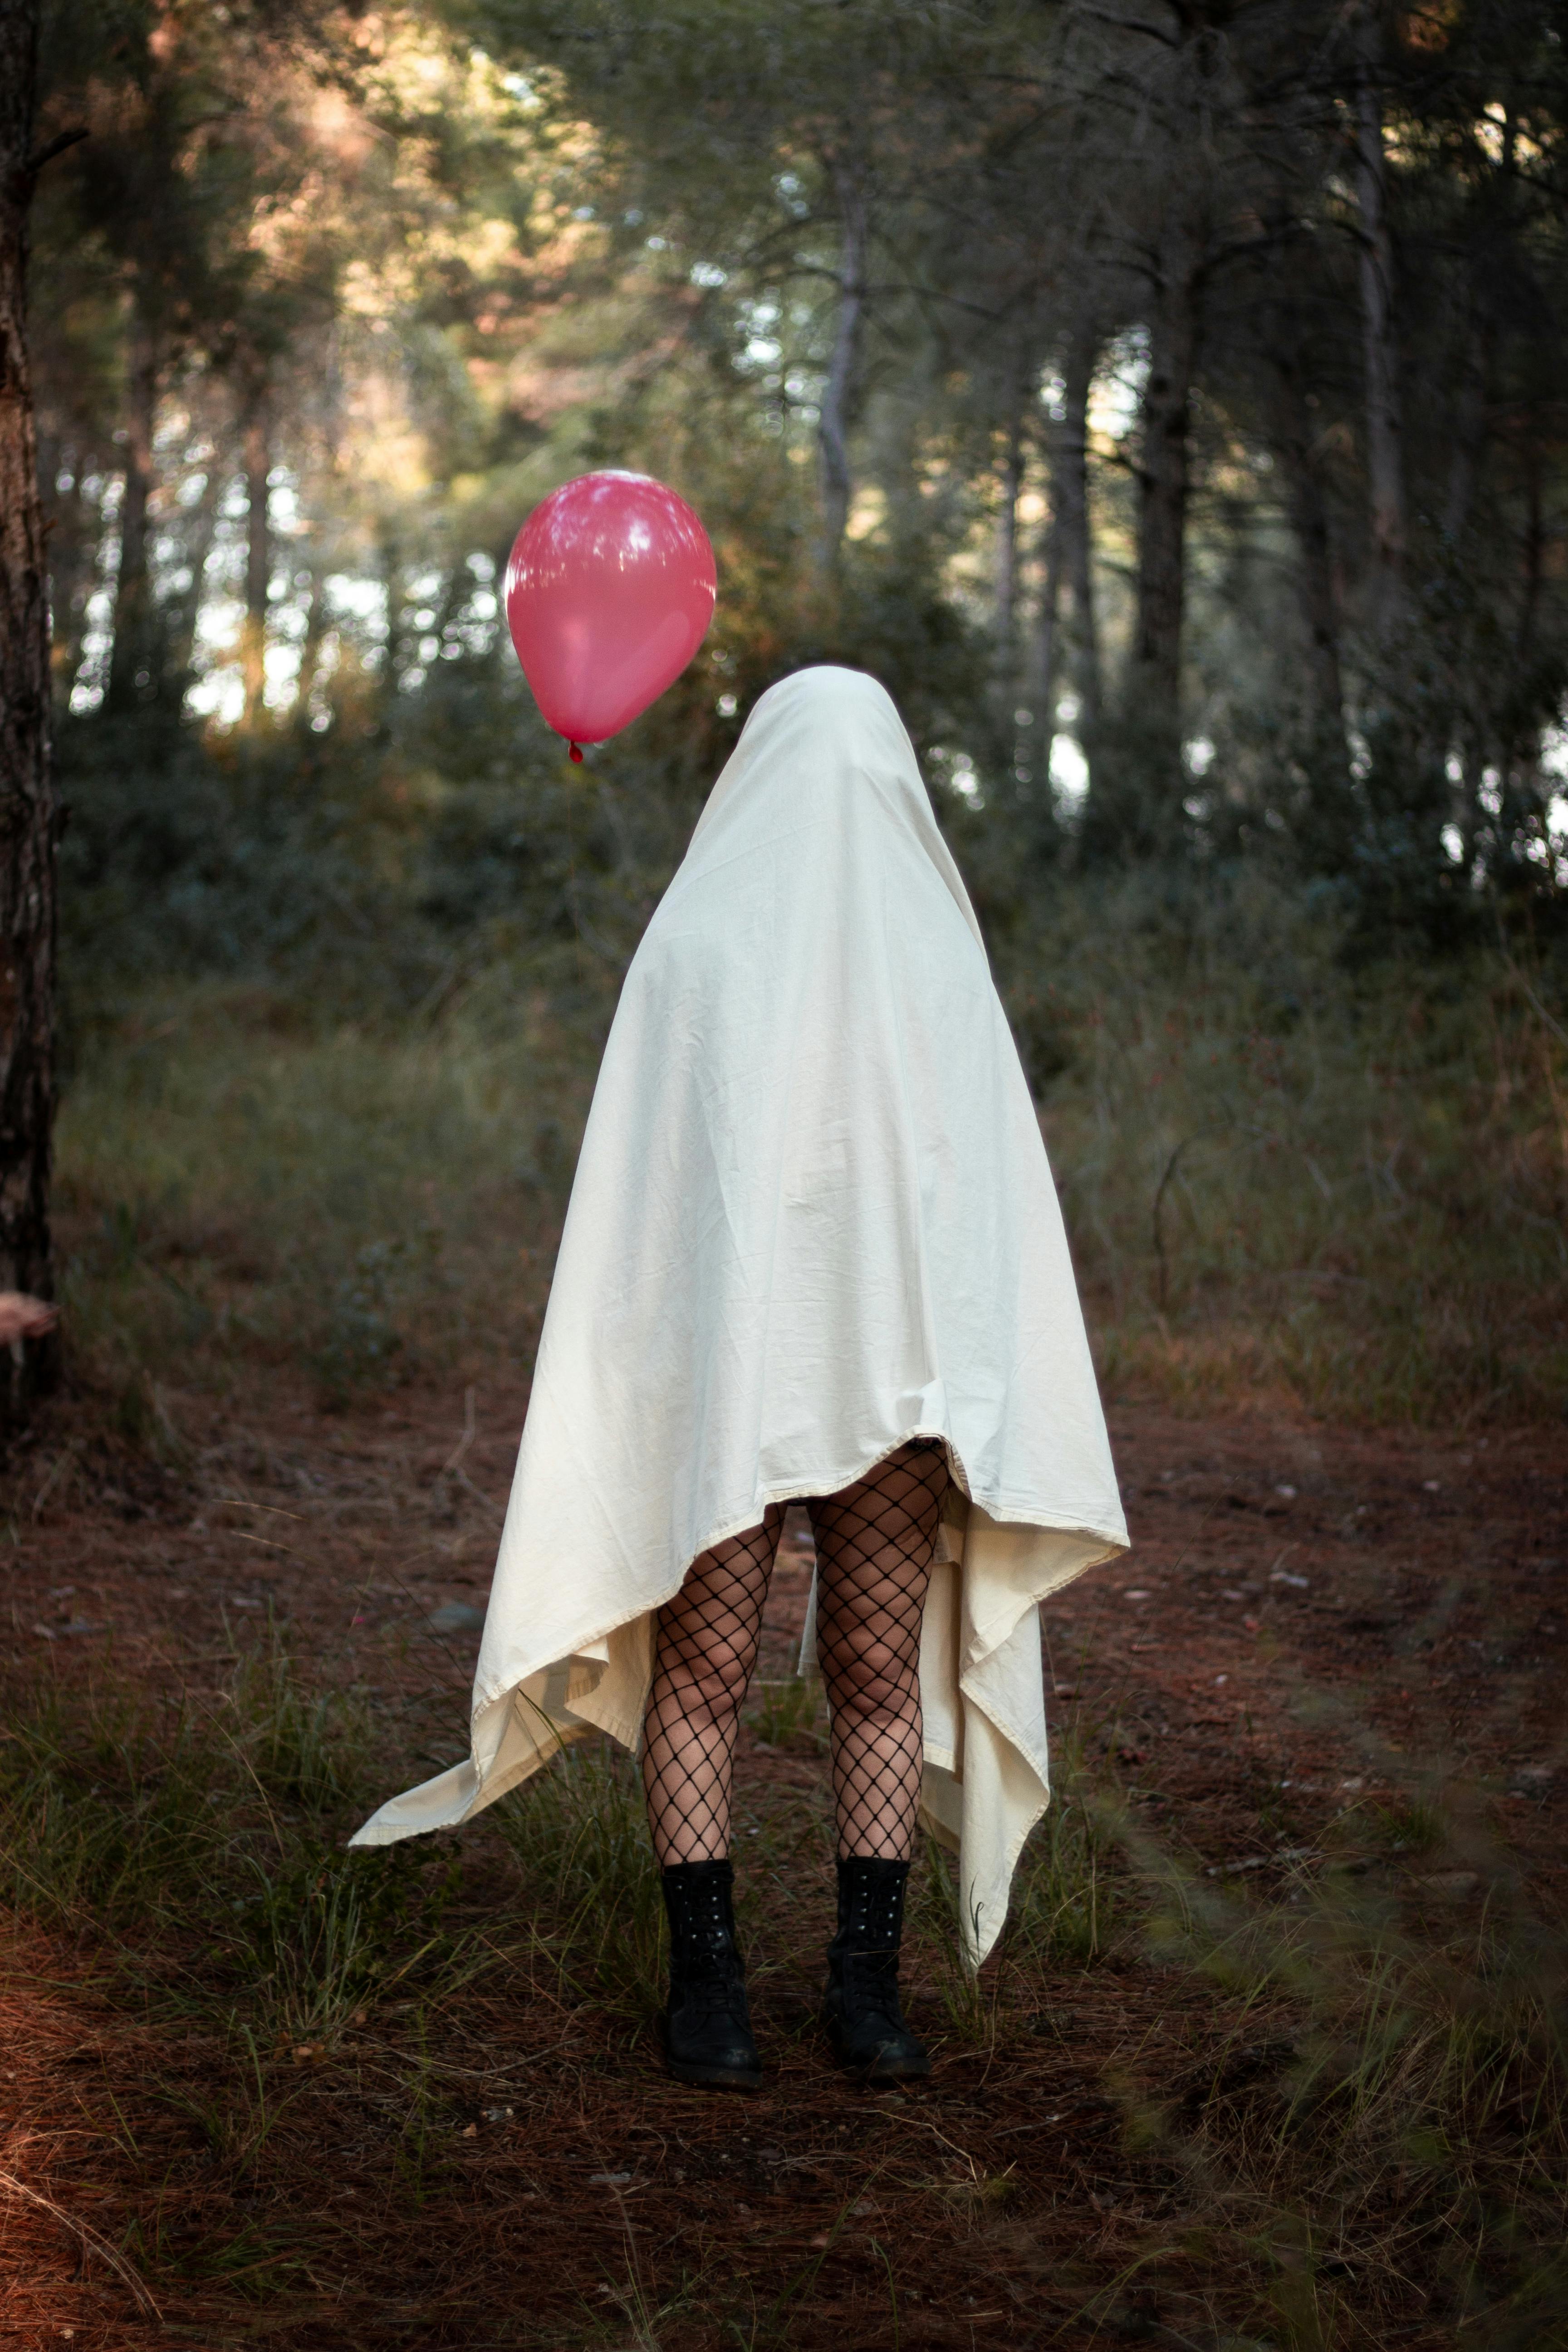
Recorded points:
312,643
1473,405
130,658
1534,560
1155,681
1384,449
1069,495
257,561
1470,417
1008,548
833,424
1293,438
390,552
27,825
1042,683
186,612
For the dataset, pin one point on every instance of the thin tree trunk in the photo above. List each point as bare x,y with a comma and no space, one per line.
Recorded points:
1534,555
180,647
1162,482
1042,683
1069,494
1385,440
1315,592
27,824
316,616
833,427
397,619
258,561
1474,402
1008,547
312,643
129,660
1470,417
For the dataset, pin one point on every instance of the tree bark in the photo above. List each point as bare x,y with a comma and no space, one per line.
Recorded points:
1473,406
1293,439
390,552
1042,682
833,429
1069,492
131,656
1008,547
257,561
186,610
312,643
1534,560
27,825
1162,482
1384,438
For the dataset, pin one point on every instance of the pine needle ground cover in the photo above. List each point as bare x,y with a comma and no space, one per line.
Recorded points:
1272,2054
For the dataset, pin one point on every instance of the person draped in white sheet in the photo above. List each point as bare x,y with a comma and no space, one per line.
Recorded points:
813,1253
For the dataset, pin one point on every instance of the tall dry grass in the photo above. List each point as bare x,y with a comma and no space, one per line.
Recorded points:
1283,1175
1291,1176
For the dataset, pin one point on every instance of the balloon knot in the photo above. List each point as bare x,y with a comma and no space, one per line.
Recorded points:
576,754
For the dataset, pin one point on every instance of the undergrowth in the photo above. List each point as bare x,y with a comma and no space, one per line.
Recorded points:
245,1180
1344,1189
1341,1188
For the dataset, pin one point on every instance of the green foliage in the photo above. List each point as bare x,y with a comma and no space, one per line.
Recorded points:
435,278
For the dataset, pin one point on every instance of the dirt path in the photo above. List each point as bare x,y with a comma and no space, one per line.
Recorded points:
1313,1624
1425,1580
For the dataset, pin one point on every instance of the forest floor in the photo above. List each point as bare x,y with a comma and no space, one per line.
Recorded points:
1331,1673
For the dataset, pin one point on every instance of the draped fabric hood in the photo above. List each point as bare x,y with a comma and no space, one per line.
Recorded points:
812,1218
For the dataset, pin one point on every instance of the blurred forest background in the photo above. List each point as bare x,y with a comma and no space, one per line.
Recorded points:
1163,397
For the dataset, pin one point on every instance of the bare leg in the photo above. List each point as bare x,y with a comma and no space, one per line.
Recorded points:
874,1545
707,1647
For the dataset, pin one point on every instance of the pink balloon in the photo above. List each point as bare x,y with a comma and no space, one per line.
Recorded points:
609,593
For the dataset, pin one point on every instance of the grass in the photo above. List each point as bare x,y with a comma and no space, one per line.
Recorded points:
194,1841
1343,1189
242,1180
1347,2115
1388,2108
579,1839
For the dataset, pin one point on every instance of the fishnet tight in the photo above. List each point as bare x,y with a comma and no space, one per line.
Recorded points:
874,1545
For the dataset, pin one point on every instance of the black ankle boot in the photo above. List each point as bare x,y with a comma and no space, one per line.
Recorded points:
708,2025
865,2024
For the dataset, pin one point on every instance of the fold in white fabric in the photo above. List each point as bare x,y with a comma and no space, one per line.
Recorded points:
812,1219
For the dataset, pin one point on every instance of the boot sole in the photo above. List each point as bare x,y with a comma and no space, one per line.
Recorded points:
875,2076
711,2078
873,2071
